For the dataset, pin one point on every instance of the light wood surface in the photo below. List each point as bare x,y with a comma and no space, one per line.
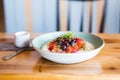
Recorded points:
63,15
2,23
30,65
28,9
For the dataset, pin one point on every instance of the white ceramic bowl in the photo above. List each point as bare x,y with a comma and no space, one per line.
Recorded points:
67,58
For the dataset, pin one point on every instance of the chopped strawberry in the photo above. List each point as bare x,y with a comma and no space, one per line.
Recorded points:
75,48
68,49
55,48
80,41
51,47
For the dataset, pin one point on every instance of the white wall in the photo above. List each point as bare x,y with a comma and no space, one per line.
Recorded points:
113,17
44,15
14,15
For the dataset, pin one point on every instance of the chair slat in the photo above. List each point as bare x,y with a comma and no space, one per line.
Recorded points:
101,15
63,15
28,11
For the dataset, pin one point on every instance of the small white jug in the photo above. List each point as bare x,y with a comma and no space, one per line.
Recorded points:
22,39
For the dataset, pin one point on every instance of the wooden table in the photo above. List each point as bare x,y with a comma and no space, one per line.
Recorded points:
29,65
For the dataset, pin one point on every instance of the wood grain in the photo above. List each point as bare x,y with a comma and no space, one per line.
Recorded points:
30,65
28,9
101,4
2,23
63,15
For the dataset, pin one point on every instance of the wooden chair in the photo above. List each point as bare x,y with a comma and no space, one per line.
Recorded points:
91,16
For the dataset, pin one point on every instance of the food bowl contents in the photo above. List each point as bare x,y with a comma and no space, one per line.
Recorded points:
68,43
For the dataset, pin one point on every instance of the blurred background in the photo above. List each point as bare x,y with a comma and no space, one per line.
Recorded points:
90,16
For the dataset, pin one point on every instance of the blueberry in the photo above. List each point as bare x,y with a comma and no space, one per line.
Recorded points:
60,43
72,42
64,47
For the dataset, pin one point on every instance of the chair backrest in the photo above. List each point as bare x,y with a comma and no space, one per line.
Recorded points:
53,15
94,16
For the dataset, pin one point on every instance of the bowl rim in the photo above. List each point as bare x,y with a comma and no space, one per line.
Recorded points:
103,43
